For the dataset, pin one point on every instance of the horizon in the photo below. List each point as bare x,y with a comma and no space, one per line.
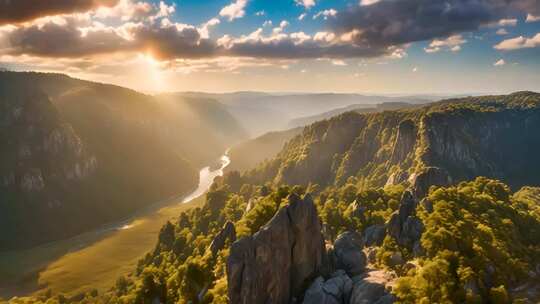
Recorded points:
283,93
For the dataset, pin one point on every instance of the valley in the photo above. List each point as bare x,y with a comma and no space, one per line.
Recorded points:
95,259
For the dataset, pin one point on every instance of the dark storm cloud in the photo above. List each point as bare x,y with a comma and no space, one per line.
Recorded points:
14,11
397,22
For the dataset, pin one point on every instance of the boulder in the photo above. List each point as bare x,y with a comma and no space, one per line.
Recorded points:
374,235
336,290
275,264
348,254
365,292
227,233
371,288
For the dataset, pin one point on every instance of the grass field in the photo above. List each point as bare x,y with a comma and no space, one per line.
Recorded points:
101,259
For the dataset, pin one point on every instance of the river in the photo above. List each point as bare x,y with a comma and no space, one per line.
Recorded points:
97,258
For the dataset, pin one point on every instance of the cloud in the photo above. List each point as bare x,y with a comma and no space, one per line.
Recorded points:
383,28
499,62
302,16
518,43
415,69
368,2
339,62
326,13
260,13
280,45
501,32
392,23
452,43
307,4
15,11
532,18
205,28
72,37
508,22
234,10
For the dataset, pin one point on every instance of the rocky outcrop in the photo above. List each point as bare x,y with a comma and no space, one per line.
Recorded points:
371,288
374,235
228,233
278,262
404,226
348,255
336,290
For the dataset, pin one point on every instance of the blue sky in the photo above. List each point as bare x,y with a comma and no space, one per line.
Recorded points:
386,46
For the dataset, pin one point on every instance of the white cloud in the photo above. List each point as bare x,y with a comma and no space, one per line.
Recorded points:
267,23
300,37
397,53
368,2
452,43
234,10
519,43
324,36
302,16
532,18
415,69
501,32
326,13
260,13
339,62
204,30
282,25
508,22
499,62
307,4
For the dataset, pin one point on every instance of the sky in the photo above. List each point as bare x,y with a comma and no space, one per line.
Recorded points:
361,46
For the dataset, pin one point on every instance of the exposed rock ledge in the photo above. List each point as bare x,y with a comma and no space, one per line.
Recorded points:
276,264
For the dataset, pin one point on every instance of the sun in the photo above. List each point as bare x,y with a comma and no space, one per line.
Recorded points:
153,73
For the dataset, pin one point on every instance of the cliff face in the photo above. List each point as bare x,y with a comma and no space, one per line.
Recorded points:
277,263
493,136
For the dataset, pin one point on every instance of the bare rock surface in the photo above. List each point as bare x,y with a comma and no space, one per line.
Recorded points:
278,263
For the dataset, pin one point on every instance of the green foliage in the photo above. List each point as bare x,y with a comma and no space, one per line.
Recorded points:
477,236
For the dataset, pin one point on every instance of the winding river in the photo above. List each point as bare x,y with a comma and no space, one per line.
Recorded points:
96,259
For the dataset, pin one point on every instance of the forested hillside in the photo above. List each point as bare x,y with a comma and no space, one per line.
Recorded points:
372,208
452,140
73,147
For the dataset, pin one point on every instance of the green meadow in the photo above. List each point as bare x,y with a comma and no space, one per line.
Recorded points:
90,261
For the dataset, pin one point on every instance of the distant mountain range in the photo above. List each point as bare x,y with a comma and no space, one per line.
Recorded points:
260,112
